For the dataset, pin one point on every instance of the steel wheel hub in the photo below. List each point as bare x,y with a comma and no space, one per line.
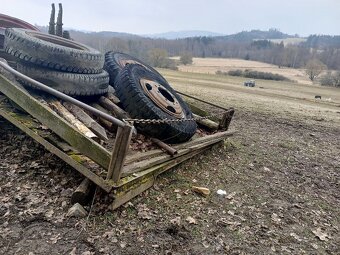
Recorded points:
162,97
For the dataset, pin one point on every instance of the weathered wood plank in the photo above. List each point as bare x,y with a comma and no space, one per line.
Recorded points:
157,152
56,123
226,119
124,196
67,115
128,182
107,124
113,98
107,104
121,146
197,110
206,123
86,120
82,193
145,164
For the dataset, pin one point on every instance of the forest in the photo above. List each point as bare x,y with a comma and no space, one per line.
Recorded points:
264,46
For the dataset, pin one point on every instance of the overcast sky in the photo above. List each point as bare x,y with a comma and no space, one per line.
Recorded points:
303,17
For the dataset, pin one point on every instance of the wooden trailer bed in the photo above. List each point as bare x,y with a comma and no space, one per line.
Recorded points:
121,171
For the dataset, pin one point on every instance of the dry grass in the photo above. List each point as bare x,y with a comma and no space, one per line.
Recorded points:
288,99
211,65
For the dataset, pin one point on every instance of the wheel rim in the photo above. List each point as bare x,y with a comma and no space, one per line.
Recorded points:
57,40
162,97
124,61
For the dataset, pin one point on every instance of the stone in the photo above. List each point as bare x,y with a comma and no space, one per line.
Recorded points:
77,211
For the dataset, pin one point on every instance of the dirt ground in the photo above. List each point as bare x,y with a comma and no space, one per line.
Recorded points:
280,173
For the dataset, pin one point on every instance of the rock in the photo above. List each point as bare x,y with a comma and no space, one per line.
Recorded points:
191,220
221,192
77,211
201,190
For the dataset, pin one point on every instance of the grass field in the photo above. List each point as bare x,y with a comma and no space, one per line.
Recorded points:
287,99
211,65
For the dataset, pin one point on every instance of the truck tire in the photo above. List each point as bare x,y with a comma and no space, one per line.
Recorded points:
144,95
116,61
52,51
72,84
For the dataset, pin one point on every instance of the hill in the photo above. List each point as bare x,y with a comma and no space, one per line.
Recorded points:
183,34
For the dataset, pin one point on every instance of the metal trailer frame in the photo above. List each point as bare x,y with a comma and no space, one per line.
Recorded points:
118,172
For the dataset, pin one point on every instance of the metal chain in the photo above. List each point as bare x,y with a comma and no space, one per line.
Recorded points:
166,120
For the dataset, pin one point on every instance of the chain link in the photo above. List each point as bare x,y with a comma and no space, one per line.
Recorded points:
166,120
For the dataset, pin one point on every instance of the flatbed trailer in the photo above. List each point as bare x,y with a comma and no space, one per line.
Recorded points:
116,169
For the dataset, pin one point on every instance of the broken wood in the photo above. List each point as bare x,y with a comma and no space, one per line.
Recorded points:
63,112
200,143
197,110
107,104
206,123
107,124
172,151
83,192
226,119
113,98
139,156
86,120
120,149
201,190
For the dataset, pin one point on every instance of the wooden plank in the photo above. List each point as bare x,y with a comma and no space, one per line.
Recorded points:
107,104
126,195
67,115
15,119
107,124
130,181
113,98
226,119
120,149
142,165
197,110
83,192
154,153
86,120
57,124
206,123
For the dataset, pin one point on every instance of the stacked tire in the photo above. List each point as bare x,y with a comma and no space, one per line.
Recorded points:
145,94
68,66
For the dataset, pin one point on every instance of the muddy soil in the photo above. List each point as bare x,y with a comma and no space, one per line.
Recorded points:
281,179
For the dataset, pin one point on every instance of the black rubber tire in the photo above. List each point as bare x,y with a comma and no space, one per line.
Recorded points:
52,51
72,84
140,106
113,65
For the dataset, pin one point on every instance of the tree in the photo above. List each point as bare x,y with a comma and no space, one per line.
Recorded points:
314,68
186,58
158,57
330,79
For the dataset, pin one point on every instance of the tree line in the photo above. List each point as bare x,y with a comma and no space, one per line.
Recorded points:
244,45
